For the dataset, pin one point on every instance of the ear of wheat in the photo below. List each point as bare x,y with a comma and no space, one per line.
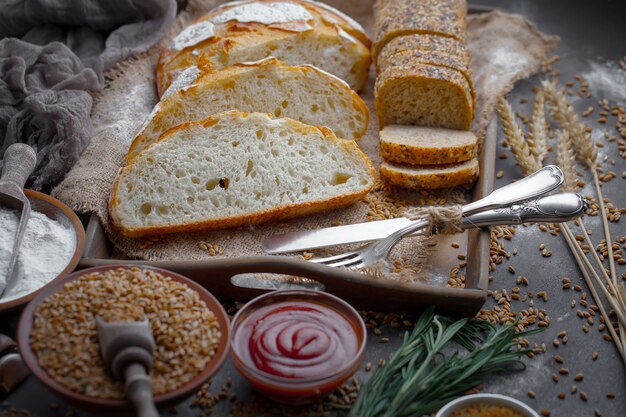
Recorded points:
566,159
525,159
537,133
565,115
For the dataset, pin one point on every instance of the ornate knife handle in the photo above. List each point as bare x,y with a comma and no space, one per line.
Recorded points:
551,209
547,179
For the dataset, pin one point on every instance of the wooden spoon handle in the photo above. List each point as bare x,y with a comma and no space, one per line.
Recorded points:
19,162
139,390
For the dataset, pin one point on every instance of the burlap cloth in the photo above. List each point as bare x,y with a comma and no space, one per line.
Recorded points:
504,48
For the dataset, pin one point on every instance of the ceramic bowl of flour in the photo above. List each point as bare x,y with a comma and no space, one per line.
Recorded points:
51,248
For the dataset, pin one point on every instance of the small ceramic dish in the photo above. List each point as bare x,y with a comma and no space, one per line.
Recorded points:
296,346
115,406
58,211
488,399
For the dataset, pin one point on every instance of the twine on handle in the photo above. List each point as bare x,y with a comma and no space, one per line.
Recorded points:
443,219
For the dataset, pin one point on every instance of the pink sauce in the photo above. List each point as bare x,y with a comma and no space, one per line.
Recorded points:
297,339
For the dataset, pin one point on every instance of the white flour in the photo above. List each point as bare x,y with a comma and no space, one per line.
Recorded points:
46,249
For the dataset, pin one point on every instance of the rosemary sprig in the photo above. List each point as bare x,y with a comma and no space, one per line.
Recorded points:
420,378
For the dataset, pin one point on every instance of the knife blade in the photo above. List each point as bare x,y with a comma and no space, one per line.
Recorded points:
332,236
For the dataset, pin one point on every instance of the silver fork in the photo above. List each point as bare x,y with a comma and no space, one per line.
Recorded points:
555,208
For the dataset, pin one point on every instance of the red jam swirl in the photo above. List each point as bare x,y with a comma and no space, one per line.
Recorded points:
297,339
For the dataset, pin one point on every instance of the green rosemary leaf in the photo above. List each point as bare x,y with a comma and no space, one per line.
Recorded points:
419,377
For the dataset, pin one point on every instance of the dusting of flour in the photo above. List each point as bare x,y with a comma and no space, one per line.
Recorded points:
607,80
46,249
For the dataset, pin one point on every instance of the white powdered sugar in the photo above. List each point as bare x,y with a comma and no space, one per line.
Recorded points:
184,79
194,34
46,249
266,13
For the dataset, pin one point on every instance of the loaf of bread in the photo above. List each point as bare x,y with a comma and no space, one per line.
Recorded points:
428,50
235,169
329,14
393,18
413,145
424,95
294,31
303,93
429,177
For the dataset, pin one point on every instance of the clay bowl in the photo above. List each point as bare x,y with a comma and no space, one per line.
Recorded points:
114,406
58,211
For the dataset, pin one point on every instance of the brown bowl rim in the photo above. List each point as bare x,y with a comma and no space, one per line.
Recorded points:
78,251
25,326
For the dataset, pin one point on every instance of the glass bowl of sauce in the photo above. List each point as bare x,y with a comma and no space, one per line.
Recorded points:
296,346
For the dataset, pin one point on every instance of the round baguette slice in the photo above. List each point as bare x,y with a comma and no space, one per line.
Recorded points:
294,31
413,145
429,177
423,95
236,169
303,93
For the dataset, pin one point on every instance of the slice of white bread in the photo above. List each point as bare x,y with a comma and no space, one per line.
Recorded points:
284,29
413,145
303,93
235,169
423,95
429,177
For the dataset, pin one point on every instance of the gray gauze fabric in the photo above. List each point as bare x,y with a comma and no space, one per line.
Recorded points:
46,76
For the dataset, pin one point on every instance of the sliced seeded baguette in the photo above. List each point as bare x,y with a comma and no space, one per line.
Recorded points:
393,18
429,177
303,93
294,31
423,95
234,169
413,145
429,50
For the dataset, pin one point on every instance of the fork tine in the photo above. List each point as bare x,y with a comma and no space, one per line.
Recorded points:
334,258
349,263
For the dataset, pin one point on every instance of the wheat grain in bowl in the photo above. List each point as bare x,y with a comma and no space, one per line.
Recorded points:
65,341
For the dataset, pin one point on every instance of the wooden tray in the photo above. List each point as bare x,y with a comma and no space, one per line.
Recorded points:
219,275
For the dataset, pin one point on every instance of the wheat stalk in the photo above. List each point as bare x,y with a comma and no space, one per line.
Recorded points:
578,256
565,115
566,159
513,132
563,112
537,134
574,141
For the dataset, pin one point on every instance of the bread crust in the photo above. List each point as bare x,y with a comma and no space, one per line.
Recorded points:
418,179
208,82
327,12
428,50
211,54
279,212
418,73
393,18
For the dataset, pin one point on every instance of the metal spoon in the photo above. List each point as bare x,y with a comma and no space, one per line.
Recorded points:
19,162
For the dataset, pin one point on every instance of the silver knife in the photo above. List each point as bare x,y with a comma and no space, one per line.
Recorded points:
553,209
545,180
